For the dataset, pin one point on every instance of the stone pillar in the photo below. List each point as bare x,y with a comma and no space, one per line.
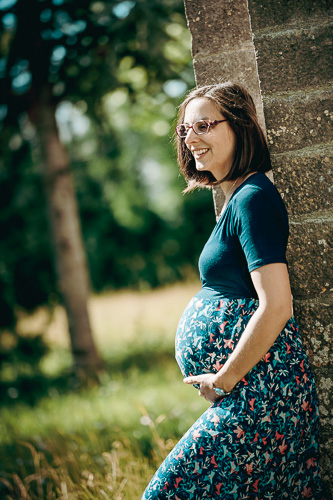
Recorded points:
290,80
293,42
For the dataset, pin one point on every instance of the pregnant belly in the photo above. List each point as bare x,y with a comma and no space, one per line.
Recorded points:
208,332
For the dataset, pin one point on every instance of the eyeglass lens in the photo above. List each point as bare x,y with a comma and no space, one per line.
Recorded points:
200,127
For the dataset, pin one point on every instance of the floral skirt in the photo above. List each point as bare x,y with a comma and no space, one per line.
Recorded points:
261,442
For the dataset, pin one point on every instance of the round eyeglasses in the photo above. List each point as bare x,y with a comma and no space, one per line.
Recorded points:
200,127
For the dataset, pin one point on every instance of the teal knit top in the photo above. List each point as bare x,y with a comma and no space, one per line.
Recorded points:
252,232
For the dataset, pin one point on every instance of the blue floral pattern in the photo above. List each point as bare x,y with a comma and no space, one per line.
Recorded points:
261,442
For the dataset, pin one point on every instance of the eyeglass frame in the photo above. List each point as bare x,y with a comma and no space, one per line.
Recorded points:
210,124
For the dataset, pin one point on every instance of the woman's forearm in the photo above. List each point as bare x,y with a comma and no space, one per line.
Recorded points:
256,340
271,283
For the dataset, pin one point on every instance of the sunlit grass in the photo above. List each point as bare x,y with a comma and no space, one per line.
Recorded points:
67,469
106,441
116,404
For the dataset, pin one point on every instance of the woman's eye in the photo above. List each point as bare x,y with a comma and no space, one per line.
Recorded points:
201,126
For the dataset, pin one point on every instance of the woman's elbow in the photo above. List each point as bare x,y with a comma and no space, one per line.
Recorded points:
282,310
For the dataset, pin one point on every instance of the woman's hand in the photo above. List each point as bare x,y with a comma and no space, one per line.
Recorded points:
206,386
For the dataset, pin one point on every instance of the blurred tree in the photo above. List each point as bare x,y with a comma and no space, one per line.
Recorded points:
55,51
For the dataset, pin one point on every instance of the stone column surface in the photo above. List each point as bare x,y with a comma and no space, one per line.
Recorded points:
281,50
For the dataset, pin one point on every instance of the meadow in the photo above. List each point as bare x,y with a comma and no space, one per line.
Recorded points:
103,441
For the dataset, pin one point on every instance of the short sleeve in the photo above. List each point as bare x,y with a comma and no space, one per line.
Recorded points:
261,227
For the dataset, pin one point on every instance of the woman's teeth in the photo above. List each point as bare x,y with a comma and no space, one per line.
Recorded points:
200,152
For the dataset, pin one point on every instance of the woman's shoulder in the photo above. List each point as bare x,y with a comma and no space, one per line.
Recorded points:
257,194
256,188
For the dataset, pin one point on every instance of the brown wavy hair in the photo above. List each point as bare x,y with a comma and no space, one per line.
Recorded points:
251,151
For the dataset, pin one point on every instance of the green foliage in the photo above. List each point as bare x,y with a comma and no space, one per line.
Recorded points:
124,66
82,50
119,69
135,246
108,439
70,45
21,376
26,271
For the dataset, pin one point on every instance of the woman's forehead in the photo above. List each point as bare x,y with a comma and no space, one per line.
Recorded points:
201,108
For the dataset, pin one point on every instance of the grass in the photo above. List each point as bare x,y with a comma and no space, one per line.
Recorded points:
118,473
106,441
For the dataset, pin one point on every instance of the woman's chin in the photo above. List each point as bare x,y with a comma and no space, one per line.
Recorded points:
200,167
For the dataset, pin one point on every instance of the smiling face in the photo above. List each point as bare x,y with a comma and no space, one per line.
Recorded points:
214,151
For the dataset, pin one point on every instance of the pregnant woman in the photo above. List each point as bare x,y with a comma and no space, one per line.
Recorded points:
237,341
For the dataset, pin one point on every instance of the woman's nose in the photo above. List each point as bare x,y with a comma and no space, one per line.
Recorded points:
191,137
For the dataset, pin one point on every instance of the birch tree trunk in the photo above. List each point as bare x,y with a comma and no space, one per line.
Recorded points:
69,253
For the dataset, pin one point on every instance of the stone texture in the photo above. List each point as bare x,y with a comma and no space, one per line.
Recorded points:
213,69
324,384
304,178
326,447
271,13
315,320
226,23
218,198
293,51
310,255
295,120
294,56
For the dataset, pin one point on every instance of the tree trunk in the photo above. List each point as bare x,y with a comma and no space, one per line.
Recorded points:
69,253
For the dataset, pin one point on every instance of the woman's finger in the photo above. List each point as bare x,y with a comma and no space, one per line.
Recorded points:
191,380
195,380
